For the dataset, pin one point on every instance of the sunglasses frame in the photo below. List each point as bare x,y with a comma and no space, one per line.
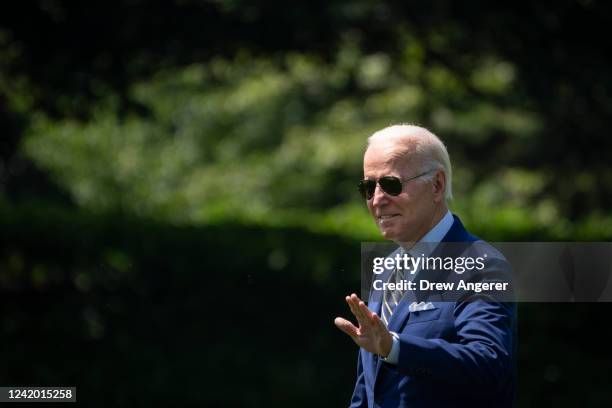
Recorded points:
365,191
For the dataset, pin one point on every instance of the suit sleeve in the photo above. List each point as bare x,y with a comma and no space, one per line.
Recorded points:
482,355
359,398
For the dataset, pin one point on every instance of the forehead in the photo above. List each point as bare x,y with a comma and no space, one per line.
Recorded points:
389,157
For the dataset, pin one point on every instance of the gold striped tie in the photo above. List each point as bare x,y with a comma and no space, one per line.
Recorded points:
391,298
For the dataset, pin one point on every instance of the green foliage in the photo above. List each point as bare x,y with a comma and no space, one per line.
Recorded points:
280,141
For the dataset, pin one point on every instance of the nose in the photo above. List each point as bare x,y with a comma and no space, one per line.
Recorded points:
380,197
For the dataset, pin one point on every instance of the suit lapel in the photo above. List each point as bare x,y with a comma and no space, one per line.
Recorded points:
401,312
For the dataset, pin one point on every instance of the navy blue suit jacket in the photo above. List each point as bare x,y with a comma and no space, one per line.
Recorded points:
459,354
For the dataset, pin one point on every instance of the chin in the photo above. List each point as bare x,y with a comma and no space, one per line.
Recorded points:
395,236
389,234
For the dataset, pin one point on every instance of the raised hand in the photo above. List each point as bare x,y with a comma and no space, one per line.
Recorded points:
372,334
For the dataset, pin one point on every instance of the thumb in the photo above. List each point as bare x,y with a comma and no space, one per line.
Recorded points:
346,326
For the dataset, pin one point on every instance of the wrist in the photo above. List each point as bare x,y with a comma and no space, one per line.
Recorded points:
386,345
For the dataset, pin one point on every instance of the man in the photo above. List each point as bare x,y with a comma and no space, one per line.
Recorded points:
457,353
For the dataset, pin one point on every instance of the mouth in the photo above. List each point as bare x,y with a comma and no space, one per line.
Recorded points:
386,217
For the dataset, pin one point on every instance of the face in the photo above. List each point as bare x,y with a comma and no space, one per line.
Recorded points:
408,216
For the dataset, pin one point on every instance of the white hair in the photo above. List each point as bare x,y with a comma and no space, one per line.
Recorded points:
417,141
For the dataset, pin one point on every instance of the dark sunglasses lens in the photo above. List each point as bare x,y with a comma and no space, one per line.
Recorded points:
366,188
391,185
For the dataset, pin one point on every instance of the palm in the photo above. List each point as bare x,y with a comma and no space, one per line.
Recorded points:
372,334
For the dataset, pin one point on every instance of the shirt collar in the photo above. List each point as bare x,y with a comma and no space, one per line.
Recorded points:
434,236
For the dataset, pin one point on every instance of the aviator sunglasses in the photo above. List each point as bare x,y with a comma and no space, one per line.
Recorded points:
389,184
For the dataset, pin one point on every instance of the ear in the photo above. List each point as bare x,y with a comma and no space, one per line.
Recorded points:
439,186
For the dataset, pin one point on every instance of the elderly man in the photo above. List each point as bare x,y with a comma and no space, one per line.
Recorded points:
456,353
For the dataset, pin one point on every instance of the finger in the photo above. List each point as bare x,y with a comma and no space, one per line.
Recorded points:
354,307
367,313
377,321
346,326
359,312
364,312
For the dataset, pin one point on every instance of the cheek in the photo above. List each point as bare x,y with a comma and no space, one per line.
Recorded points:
415,203
408,206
